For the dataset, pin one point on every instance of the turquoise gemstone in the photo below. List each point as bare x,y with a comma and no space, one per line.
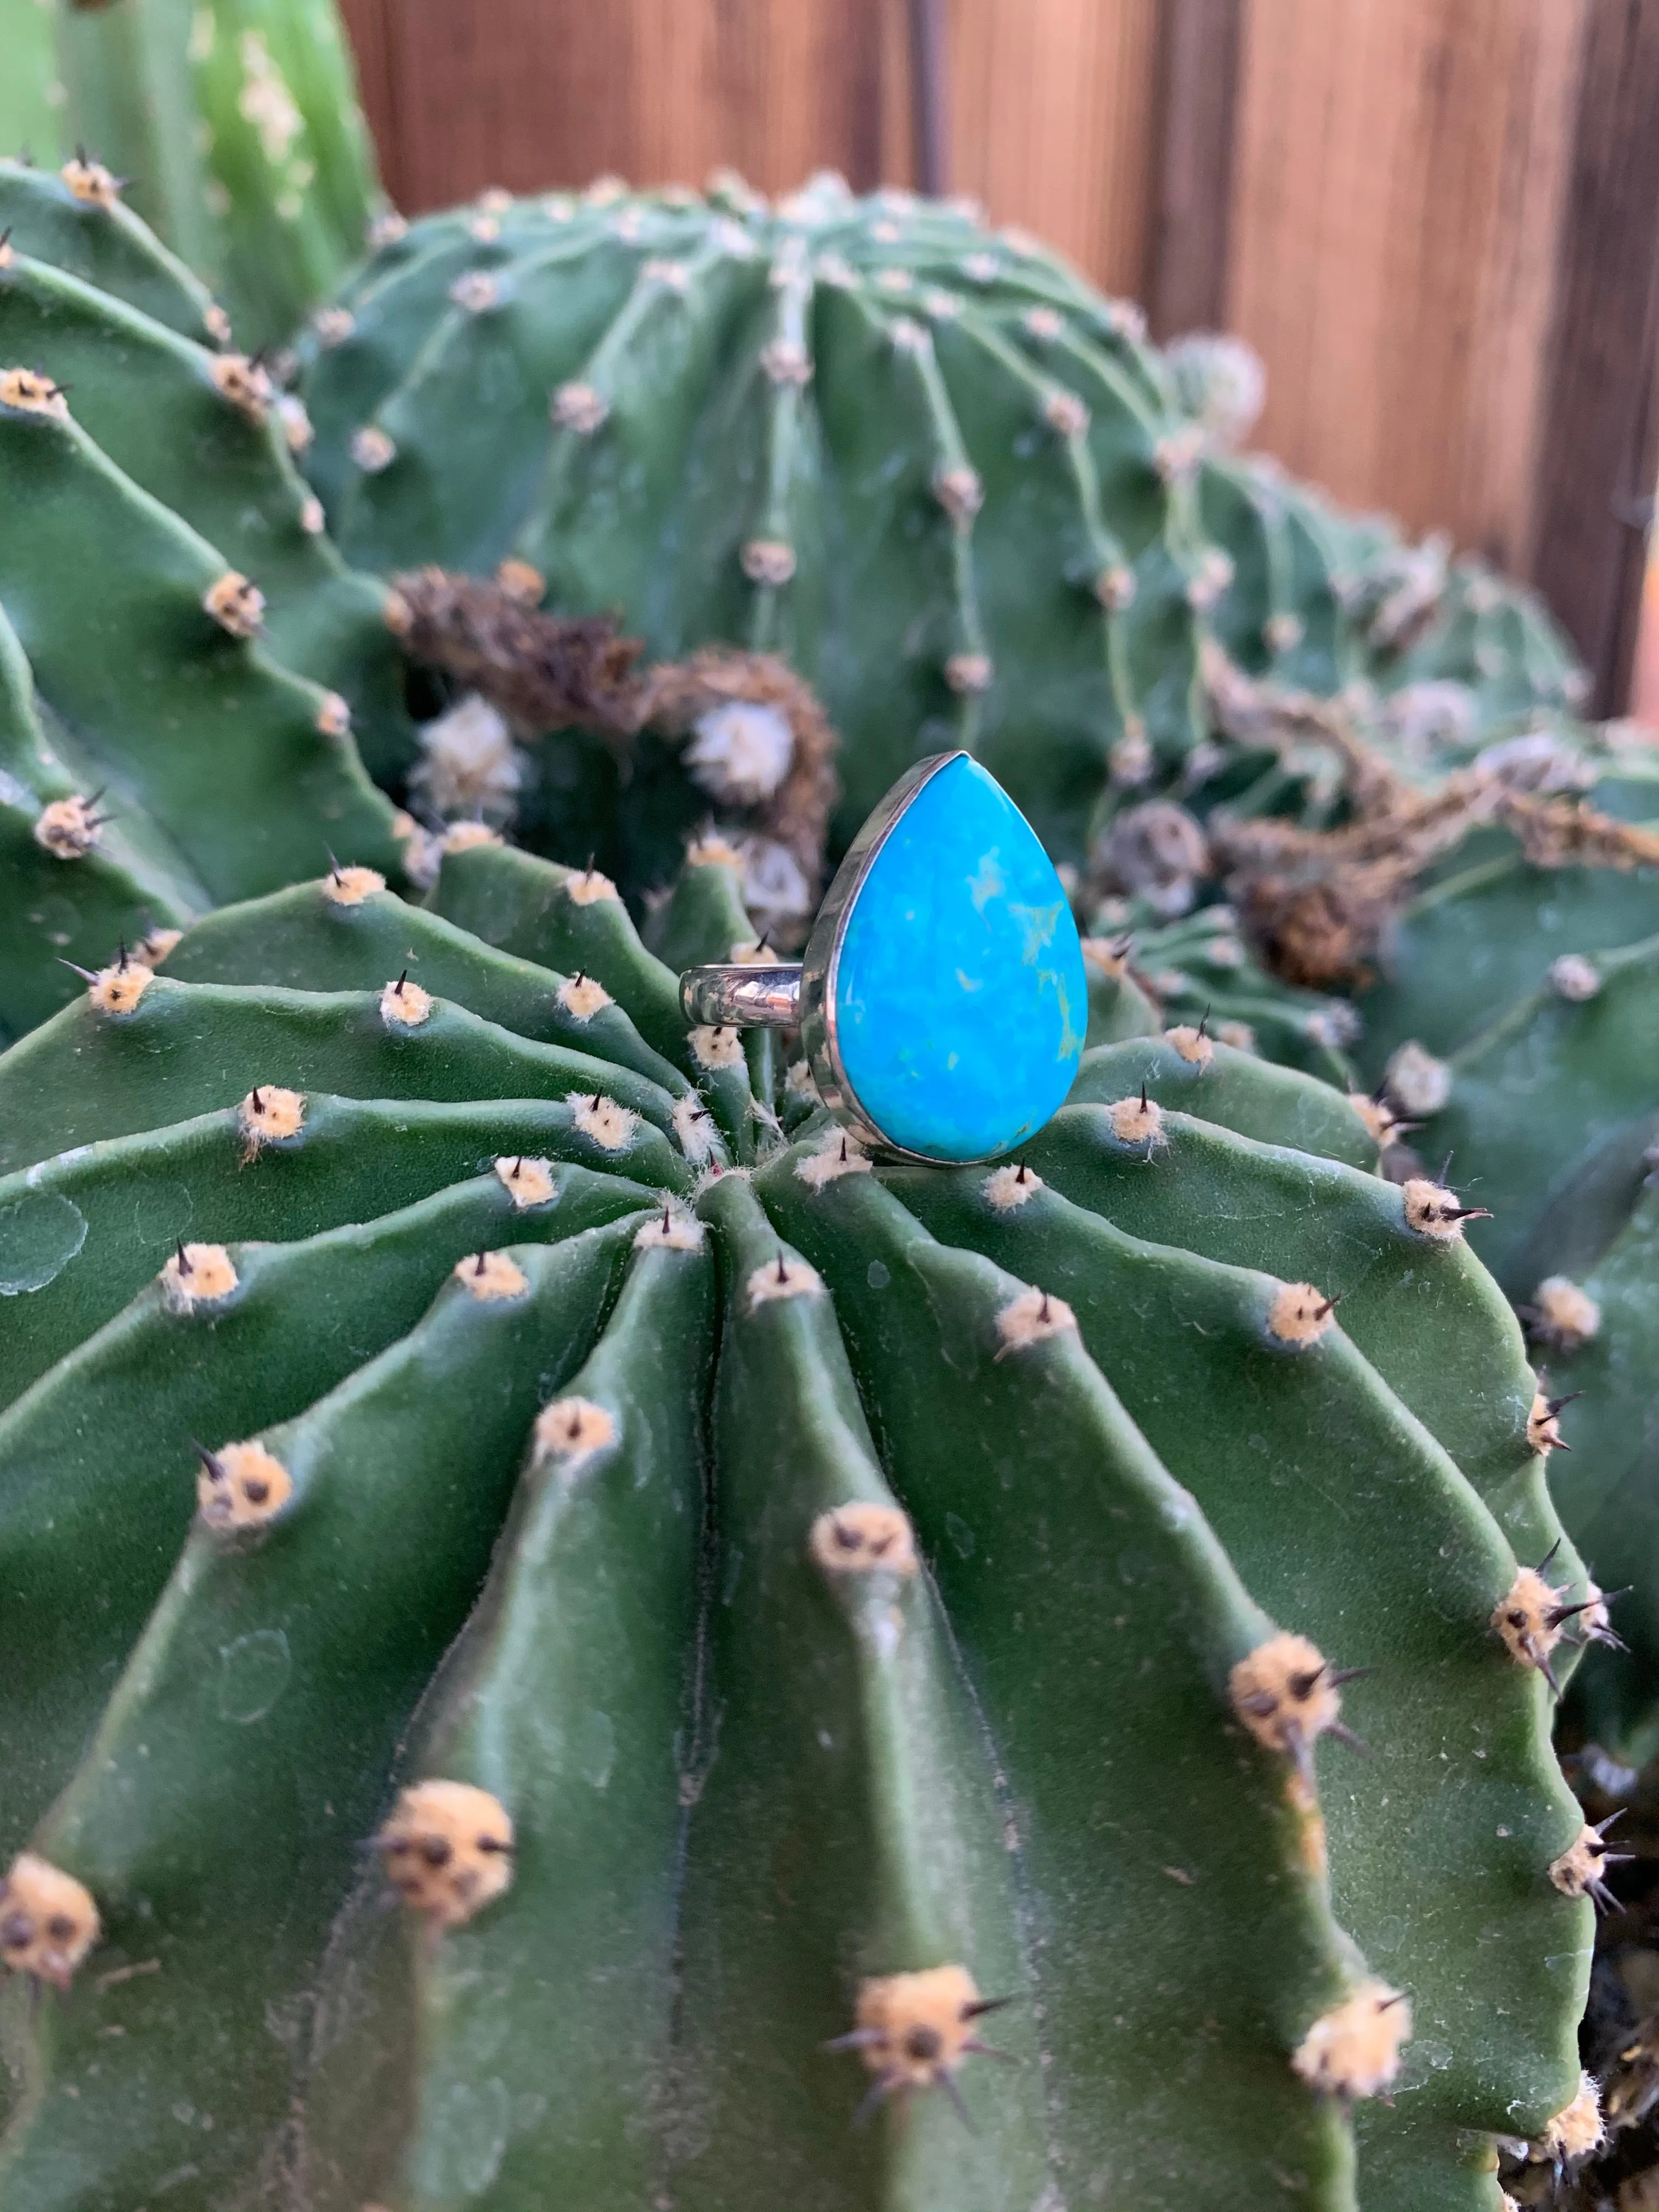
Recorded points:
960,1004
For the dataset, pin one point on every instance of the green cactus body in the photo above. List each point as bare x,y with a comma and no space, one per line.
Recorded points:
754,1607
236,124
922,462
176,634
1145,973
925,463
1516,1024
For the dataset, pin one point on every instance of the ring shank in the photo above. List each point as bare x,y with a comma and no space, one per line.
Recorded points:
733,995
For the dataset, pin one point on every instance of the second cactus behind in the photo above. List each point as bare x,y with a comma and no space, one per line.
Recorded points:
234,123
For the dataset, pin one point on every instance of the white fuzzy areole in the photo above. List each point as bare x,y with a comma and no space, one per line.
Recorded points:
781,1279
405,1004
1011,1186
571,1429
1577,2128
269,1114
118,990
1525,1619
1419,1083
580,408
351,886
671,1230
490,1277
582,996
1432,1210
67,828
1194,1048
469,764
863,1538
587,887
1138,1122
48,1922
767,561
448,1850
1300,1314
526,1182
1030,1317
1581,1865
1564,1316
694,1126
241,1485
715,1048
740,750
1353,2049
608,1125
235,605
197,1275
1282,1692
839,1154
372,449
913,2030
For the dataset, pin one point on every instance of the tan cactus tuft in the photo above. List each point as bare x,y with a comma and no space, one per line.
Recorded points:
448,1850
240,1485
570,1431
196,1275
235,605
1300,1314
492,1278
1354,2050
863,1538
48,1922
777,1281
1031,1318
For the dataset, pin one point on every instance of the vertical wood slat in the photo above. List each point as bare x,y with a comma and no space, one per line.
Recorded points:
526,93
1192,211
1600,444
1399,172
1053,123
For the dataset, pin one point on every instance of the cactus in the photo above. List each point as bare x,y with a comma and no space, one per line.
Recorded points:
764,1614
1513,1021
943,476
234,123
182,655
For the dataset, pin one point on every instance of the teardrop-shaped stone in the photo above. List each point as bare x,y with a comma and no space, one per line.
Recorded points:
960,1003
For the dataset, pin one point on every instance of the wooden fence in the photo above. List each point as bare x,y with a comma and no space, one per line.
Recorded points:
1437,220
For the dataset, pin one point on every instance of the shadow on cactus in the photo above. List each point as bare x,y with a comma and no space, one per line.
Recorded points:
779,1625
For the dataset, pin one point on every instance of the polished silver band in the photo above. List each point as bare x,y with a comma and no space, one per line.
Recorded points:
735,996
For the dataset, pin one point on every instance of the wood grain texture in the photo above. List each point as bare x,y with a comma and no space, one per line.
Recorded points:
1599,444
467,94
1197,134
1400,175
1053,123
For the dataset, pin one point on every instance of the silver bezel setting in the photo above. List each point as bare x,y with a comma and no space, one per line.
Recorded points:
821,962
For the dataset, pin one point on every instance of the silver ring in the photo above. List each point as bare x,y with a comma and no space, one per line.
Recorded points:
743,998
804,995
800,994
